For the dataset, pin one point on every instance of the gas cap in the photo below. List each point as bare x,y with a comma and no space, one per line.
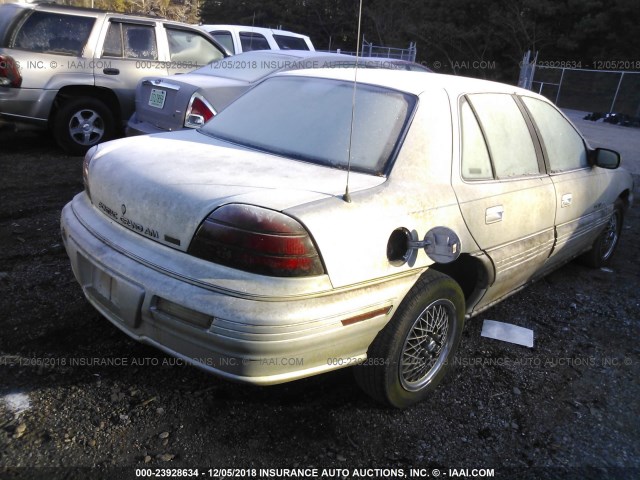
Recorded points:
441,244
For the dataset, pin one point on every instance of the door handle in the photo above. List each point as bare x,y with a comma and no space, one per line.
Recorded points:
494,214
111,71
566,200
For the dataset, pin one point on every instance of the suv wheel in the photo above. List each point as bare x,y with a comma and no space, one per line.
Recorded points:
81,123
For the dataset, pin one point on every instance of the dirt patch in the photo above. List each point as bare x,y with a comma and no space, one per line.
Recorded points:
79,399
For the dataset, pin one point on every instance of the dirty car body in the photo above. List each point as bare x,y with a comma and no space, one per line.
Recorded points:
234,247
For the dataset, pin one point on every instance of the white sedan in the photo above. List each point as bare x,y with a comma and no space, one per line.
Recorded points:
315,224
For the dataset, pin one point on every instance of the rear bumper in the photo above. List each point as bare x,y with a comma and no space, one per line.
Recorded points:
238,334
141,127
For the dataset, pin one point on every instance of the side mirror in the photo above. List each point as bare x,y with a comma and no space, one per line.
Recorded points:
605,158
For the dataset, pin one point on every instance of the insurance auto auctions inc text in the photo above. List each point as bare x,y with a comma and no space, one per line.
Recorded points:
343,473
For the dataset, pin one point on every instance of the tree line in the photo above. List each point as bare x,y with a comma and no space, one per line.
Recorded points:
480,38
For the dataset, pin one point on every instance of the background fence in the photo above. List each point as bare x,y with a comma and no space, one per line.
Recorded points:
604,91
370,50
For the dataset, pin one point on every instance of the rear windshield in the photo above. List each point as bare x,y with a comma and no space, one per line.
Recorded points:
286,42
53,33
309,119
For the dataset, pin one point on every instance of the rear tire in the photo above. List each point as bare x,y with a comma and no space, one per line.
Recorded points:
605,245
81,123
413,353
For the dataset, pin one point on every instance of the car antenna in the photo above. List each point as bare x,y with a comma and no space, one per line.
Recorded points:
347,197
253,25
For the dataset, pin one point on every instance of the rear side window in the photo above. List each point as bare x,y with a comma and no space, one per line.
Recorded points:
476,164
509,140
53,33
286,42
187,46
224,38
128,40
564,146
253,41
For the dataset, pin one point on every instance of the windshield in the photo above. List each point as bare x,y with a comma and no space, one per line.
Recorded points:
310,119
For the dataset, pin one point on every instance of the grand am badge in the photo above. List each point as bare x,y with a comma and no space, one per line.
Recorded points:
127,222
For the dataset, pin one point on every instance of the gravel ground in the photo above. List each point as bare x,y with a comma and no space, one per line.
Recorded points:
567,408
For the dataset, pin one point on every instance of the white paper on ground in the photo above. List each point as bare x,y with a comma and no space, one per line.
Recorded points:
507,333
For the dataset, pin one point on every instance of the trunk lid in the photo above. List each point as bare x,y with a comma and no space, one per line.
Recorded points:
163,186
163,101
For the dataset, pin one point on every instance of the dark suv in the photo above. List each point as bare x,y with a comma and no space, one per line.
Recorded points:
75,70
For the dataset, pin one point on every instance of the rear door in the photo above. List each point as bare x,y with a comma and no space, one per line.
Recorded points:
581,211
129,53
505,195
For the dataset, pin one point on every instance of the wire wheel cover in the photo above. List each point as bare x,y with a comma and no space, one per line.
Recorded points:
610,237
422,354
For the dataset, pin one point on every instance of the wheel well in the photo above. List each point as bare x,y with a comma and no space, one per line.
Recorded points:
105,95
470,273
624,197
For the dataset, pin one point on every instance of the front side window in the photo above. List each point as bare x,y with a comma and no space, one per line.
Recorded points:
128,40
188,46
54,33
309,119
285,42
564,146
253,41
224,38
508,137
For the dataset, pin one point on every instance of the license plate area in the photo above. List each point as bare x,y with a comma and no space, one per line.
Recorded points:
157,98
121,297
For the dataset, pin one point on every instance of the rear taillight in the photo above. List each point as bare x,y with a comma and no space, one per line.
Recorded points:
257,240
198,112
9,72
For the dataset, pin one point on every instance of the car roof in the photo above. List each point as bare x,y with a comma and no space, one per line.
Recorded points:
73,8
412,82
314,54
258,60
249,28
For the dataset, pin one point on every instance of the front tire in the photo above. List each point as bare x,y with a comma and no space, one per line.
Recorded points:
605,245
413,353
81,123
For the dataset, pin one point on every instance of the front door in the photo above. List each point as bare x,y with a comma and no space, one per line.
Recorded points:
581,211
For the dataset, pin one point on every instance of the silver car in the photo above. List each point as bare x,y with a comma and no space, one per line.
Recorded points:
190,100
74,70
315,224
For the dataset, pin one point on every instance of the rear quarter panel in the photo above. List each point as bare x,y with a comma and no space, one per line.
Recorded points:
417,195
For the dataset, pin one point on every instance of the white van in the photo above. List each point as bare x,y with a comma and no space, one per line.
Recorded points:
238,38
